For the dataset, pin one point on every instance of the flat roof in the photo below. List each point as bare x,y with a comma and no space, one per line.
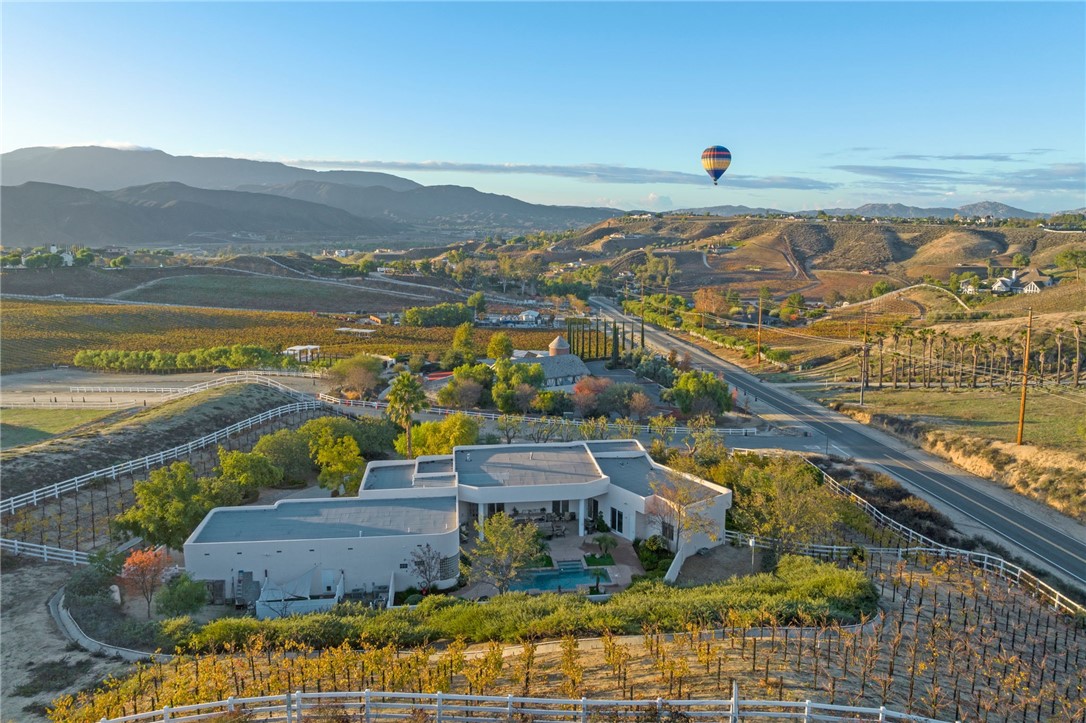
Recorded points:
523,465
329,519
390,477
441,465
598,446
637,475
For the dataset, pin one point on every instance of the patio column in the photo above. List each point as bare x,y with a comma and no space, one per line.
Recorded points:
482,518
580,517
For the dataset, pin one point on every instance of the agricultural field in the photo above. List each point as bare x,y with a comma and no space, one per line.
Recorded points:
946,643
281,294
26,426
41,334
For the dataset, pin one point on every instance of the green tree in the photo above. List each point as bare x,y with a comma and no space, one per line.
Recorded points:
339,462
120,262
181,596
784,500
288,450
456,430
1072,259
477,301
606,543
510,427
505,549
464,341
500,346
169,505
698,392
361,373
405,397
250,471
880,288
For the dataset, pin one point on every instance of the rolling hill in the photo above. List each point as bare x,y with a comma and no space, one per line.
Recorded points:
440,205
35,213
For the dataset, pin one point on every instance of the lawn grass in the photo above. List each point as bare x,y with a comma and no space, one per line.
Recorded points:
19,426
599,560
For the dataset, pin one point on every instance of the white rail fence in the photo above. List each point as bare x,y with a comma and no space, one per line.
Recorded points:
44,552
372,707
10,504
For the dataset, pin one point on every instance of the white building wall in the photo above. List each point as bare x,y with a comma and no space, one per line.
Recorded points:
365,562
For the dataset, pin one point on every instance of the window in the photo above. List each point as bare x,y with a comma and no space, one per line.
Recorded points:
616,520
667,531
560,507
494,508
403,565
450,567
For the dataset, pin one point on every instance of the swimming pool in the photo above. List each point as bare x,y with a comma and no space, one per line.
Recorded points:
563,579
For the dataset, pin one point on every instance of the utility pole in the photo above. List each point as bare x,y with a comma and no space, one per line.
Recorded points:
1025,371
863,363
759,356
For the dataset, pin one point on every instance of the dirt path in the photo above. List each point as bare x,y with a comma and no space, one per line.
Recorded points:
37,664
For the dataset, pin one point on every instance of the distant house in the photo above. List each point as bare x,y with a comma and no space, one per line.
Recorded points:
1031,281
966,287
531,316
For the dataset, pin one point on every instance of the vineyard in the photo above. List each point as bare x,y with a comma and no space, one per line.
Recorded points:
41,334
948,644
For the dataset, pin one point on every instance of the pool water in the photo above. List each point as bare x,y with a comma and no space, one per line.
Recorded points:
553,580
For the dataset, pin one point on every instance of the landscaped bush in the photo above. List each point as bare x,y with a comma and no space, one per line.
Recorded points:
799,589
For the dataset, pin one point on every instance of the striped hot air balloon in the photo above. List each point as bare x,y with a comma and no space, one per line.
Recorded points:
715,160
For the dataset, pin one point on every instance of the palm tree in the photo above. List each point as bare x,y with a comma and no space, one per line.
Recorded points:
943,339
925,336
910,335
405,397
1058,331
895,334
975,340
1009,345
1077,328
880,337
992,344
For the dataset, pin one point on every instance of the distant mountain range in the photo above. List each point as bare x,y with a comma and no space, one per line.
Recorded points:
168,198
109,169
886,210
107,195
37,213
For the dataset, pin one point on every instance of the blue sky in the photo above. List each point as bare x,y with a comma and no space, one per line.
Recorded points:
821,104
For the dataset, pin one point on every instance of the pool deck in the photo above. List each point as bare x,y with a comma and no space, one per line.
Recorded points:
572,547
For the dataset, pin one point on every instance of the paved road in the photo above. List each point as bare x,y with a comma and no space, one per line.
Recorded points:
1060,547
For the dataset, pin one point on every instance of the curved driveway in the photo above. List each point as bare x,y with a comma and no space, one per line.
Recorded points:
1061,549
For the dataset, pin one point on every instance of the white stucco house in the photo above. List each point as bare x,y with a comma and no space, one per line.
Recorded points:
311,552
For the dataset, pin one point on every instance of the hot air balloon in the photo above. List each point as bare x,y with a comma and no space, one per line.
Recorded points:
715,160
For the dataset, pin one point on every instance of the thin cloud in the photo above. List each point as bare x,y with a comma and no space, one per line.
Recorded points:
904,179
588,172
996,157
903,173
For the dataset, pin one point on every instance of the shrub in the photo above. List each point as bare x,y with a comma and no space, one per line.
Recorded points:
182,595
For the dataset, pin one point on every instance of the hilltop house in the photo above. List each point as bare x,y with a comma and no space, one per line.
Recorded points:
307,554
1030,281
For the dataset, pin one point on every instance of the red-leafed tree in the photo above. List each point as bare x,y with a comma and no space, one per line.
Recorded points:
142,573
